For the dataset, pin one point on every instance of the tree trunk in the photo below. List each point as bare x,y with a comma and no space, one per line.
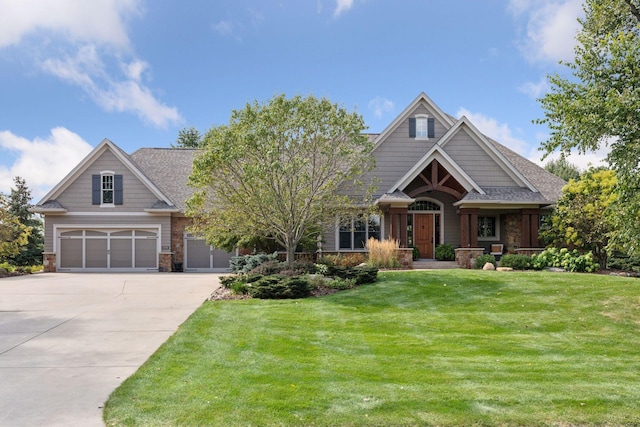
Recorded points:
291,253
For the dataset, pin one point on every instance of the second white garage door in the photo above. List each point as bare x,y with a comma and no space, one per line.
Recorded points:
199,256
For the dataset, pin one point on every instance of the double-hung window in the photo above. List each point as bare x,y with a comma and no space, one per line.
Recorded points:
106,189
421,127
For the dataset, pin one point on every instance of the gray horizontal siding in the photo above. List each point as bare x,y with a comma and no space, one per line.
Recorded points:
476,162
136,196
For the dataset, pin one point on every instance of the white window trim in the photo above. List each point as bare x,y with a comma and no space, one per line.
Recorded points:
424,117
113,189
337,234
491,238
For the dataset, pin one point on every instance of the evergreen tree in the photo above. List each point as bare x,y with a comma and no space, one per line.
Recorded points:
19,205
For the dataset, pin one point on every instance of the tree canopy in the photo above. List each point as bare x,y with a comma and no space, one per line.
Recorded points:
583,217
19,205
599,103
563,169
188,138
13,234
275,172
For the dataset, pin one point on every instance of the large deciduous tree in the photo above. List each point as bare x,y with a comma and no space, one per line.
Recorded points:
188,138
583,217
275,172
599,104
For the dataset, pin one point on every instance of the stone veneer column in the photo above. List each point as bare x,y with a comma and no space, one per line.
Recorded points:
165,262
49,262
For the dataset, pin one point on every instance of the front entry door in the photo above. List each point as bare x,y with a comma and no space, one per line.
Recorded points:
423,234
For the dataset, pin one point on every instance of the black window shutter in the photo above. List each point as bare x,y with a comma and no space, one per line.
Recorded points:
95,189
431,133
117,190
412,127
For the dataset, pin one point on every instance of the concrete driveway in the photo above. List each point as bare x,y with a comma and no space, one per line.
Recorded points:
68,340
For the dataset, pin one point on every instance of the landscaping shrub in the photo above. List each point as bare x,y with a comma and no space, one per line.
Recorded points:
341,284
416,253
383,253
246,263
269,268
483,259
516,261
621,261
445,252
361,274
344,260
571,261
278,287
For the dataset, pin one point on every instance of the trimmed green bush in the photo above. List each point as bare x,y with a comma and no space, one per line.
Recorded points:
341,284
483,259
416,254
445,252
516,261
361,274
278,287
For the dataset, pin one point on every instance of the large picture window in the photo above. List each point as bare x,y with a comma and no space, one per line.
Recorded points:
354,234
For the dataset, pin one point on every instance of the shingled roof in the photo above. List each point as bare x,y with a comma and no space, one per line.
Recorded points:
169,169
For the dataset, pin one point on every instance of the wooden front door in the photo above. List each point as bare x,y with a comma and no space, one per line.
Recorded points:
423,234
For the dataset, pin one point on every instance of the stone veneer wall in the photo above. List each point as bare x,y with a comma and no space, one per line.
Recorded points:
178,226
512,231
49,262
165,262
466,257
405,256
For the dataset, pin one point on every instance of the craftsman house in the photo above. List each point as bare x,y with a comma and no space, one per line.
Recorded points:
439,181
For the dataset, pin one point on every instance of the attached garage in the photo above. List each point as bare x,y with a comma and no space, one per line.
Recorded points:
104,249
199,256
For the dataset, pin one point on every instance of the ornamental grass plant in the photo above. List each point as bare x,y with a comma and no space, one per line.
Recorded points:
383,253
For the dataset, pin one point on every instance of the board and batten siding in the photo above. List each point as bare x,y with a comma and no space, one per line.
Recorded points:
136,195
108,221
476,162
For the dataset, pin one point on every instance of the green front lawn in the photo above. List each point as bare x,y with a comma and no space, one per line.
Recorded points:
441,348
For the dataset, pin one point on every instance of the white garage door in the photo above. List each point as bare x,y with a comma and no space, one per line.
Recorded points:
199,256
106,249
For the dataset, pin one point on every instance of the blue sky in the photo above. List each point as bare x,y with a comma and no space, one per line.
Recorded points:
136,72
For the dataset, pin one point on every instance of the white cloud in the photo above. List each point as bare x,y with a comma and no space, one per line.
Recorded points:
96,21
550,29
582,160
41,162
380,106
227,29
124,94
535,90
94,37
500,132
342,6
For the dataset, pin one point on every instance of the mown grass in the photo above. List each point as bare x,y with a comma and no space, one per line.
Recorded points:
445,348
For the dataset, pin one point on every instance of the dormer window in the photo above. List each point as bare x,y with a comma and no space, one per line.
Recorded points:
106,189
421,127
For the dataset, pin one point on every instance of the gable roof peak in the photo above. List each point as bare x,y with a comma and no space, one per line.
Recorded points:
422,98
